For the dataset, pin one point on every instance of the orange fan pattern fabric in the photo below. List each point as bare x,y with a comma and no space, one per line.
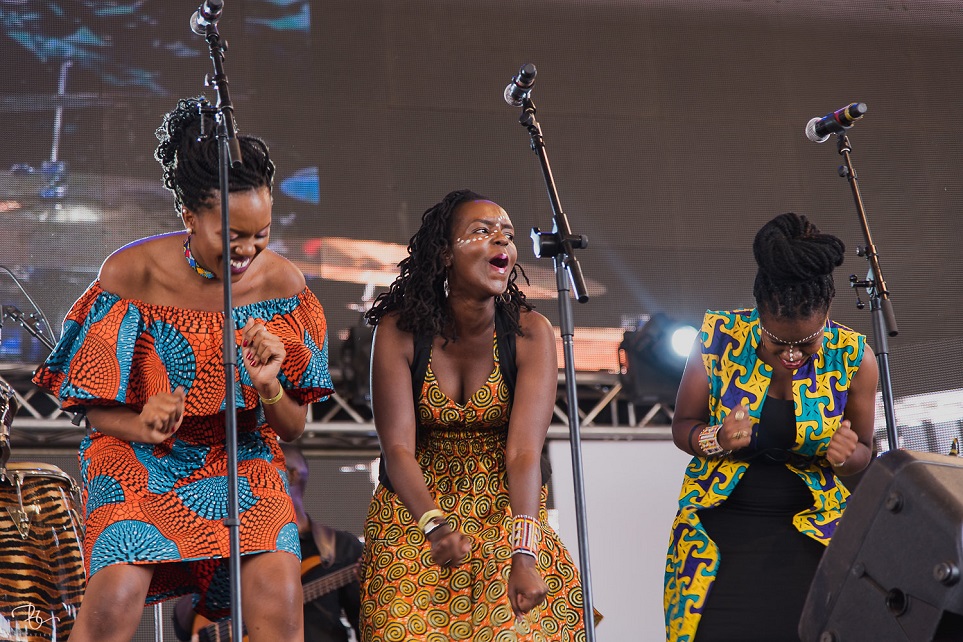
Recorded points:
165,504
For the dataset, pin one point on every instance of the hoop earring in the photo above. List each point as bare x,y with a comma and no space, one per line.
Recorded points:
505,297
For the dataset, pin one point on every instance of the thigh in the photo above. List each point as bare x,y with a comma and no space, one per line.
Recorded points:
271,597
113,603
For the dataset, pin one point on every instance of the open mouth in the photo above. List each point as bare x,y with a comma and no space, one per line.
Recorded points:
500,261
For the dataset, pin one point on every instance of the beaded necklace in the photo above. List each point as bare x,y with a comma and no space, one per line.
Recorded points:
207,274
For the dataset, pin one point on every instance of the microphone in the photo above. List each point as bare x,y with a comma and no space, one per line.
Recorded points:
819,129
521,85
206,16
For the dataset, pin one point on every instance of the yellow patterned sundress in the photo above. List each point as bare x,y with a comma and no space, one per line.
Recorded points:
404,596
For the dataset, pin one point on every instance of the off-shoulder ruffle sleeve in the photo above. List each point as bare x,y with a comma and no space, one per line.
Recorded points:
121,351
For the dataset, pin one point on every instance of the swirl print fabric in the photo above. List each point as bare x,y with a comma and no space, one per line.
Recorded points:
405,596
165,504
737,375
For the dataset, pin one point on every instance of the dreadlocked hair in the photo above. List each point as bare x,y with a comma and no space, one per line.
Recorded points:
418,293
796,263
190,159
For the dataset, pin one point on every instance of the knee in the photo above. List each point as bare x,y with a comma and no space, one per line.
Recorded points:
274,593
113,602
273,597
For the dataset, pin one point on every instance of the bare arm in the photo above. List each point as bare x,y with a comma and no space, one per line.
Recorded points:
159,419
852,445
263,354
534,398
394,415
692,411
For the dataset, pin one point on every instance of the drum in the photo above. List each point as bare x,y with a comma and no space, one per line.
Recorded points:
8,408
41,556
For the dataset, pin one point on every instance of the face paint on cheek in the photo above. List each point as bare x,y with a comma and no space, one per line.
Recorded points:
473,239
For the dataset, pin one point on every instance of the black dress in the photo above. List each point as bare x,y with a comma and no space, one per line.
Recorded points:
766,565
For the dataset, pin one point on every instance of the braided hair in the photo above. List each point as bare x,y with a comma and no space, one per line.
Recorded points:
190,160
796,262
418,293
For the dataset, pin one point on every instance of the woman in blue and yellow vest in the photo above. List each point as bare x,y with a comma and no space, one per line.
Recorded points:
775,404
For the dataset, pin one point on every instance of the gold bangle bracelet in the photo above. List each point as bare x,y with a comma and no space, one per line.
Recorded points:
273,400
434,513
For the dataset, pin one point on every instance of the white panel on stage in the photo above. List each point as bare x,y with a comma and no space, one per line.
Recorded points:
631,490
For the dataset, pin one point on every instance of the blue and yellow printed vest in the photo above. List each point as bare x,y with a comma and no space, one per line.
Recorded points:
737,375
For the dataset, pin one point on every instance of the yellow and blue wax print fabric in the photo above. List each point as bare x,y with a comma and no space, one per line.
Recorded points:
736,376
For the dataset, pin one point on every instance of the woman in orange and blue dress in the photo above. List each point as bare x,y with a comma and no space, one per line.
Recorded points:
141,357
775,404
464,372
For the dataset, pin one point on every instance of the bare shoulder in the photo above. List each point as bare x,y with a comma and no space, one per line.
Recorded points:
389,331
537,340
392,339
867,373
284,278
129,269
536,329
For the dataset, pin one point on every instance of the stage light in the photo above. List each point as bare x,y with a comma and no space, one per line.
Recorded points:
682,339
652,359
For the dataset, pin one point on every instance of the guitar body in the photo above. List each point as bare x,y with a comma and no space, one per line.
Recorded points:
207,631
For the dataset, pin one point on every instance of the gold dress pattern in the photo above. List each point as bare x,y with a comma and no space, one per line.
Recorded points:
404,596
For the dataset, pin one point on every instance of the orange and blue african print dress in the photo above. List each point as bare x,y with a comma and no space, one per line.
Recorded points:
404,595
737,375
165,504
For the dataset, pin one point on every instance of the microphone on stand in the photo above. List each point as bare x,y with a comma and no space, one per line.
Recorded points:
521,85
819,129
206,16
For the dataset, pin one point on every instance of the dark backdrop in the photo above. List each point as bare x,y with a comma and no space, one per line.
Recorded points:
675,129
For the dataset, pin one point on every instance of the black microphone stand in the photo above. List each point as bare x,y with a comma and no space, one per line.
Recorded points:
881,308
229,152
560,244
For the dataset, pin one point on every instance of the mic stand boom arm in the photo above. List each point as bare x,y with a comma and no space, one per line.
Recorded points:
560,244
881,308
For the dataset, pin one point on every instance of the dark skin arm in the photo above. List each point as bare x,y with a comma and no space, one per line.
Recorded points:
851,448
263,354
163,413
851,445
394,413
692,411
160,418
136,272
535,389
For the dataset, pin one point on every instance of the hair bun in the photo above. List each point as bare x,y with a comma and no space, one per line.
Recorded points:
790,250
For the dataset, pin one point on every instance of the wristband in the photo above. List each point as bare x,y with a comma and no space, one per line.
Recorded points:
692,432
526,535
433,526
709,441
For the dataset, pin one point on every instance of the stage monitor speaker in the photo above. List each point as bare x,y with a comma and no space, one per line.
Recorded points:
892,570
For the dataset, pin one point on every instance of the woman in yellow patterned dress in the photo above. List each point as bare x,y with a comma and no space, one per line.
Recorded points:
457,542
775,402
